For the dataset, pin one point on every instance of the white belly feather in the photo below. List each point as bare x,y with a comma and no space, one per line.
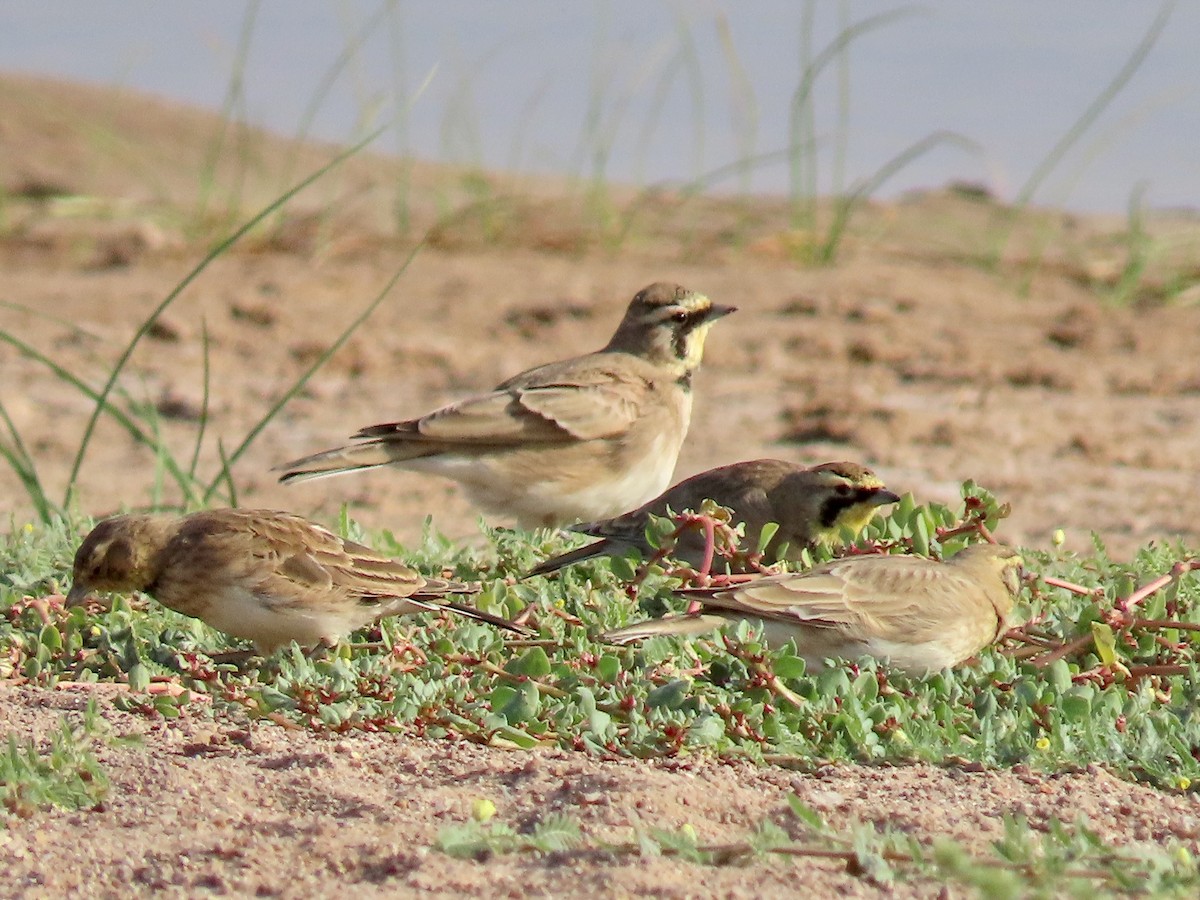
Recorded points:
535,501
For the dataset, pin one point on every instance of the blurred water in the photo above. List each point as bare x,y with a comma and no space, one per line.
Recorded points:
646,92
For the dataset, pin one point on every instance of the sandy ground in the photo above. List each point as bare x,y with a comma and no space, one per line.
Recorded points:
203,807
909,355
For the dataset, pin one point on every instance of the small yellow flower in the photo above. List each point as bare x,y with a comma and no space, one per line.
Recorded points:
1183,782
1043,743
483,809
1060,537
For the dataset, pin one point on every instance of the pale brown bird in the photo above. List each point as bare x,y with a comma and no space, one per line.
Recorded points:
918,614
810,506
583,438
269,577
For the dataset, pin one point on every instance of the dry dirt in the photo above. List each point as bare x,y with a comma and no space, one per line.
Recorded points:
204,807
908,355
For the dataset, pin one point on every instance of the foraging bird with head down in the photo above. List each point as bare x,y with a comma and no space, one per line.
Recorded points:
918,614
810,506
583,438
265,576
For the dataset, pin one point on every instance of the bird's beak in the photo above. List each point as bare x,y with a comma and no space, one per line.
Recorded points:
77,595
883,497
718,312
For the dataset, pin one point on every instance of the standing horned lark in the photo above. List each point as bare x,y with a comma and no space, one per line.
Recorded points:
270,577
920,615
810,505
584,438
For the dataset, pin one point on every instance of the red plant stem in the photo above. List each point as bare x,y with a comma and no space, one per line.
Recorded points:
1069,586
710,540
973,527
1142,671
1065,650
1177,571
1164,624
1019,634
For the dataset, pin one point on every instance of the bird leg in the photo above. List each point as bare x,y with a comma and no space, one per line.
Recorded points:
237,658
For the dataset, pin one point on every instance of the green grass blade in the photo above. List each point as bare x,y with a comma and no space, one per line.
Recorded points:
862,191
841,130
225,475
300,382
351,48
1081,125
1097,106
801,128
204,402
20,461
213,254
234,100
75,327
148,413
1137,249
131,427
744,109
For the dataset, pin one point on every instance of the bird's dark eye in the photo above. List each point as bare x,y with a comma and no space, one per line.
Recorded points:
681,316
842,490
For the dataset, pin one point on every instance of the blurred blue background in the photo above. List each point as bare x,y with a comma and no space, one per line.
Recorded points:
644,92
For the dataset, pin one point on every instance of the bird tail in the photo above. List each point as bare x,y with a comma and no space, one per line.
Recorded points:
672,625
579,554
350,458
439,587
478,615
433,597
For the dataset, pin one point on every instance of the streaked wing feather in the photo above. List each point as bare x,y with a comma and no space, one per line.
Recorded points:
579,554
587,412
497,418
812,600
373,577
313,558
304,571
893,602
580,399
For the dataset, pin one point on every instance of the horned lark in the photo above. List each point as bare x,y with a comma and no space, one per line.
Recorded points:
810,505
270,577
920,615
584,438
